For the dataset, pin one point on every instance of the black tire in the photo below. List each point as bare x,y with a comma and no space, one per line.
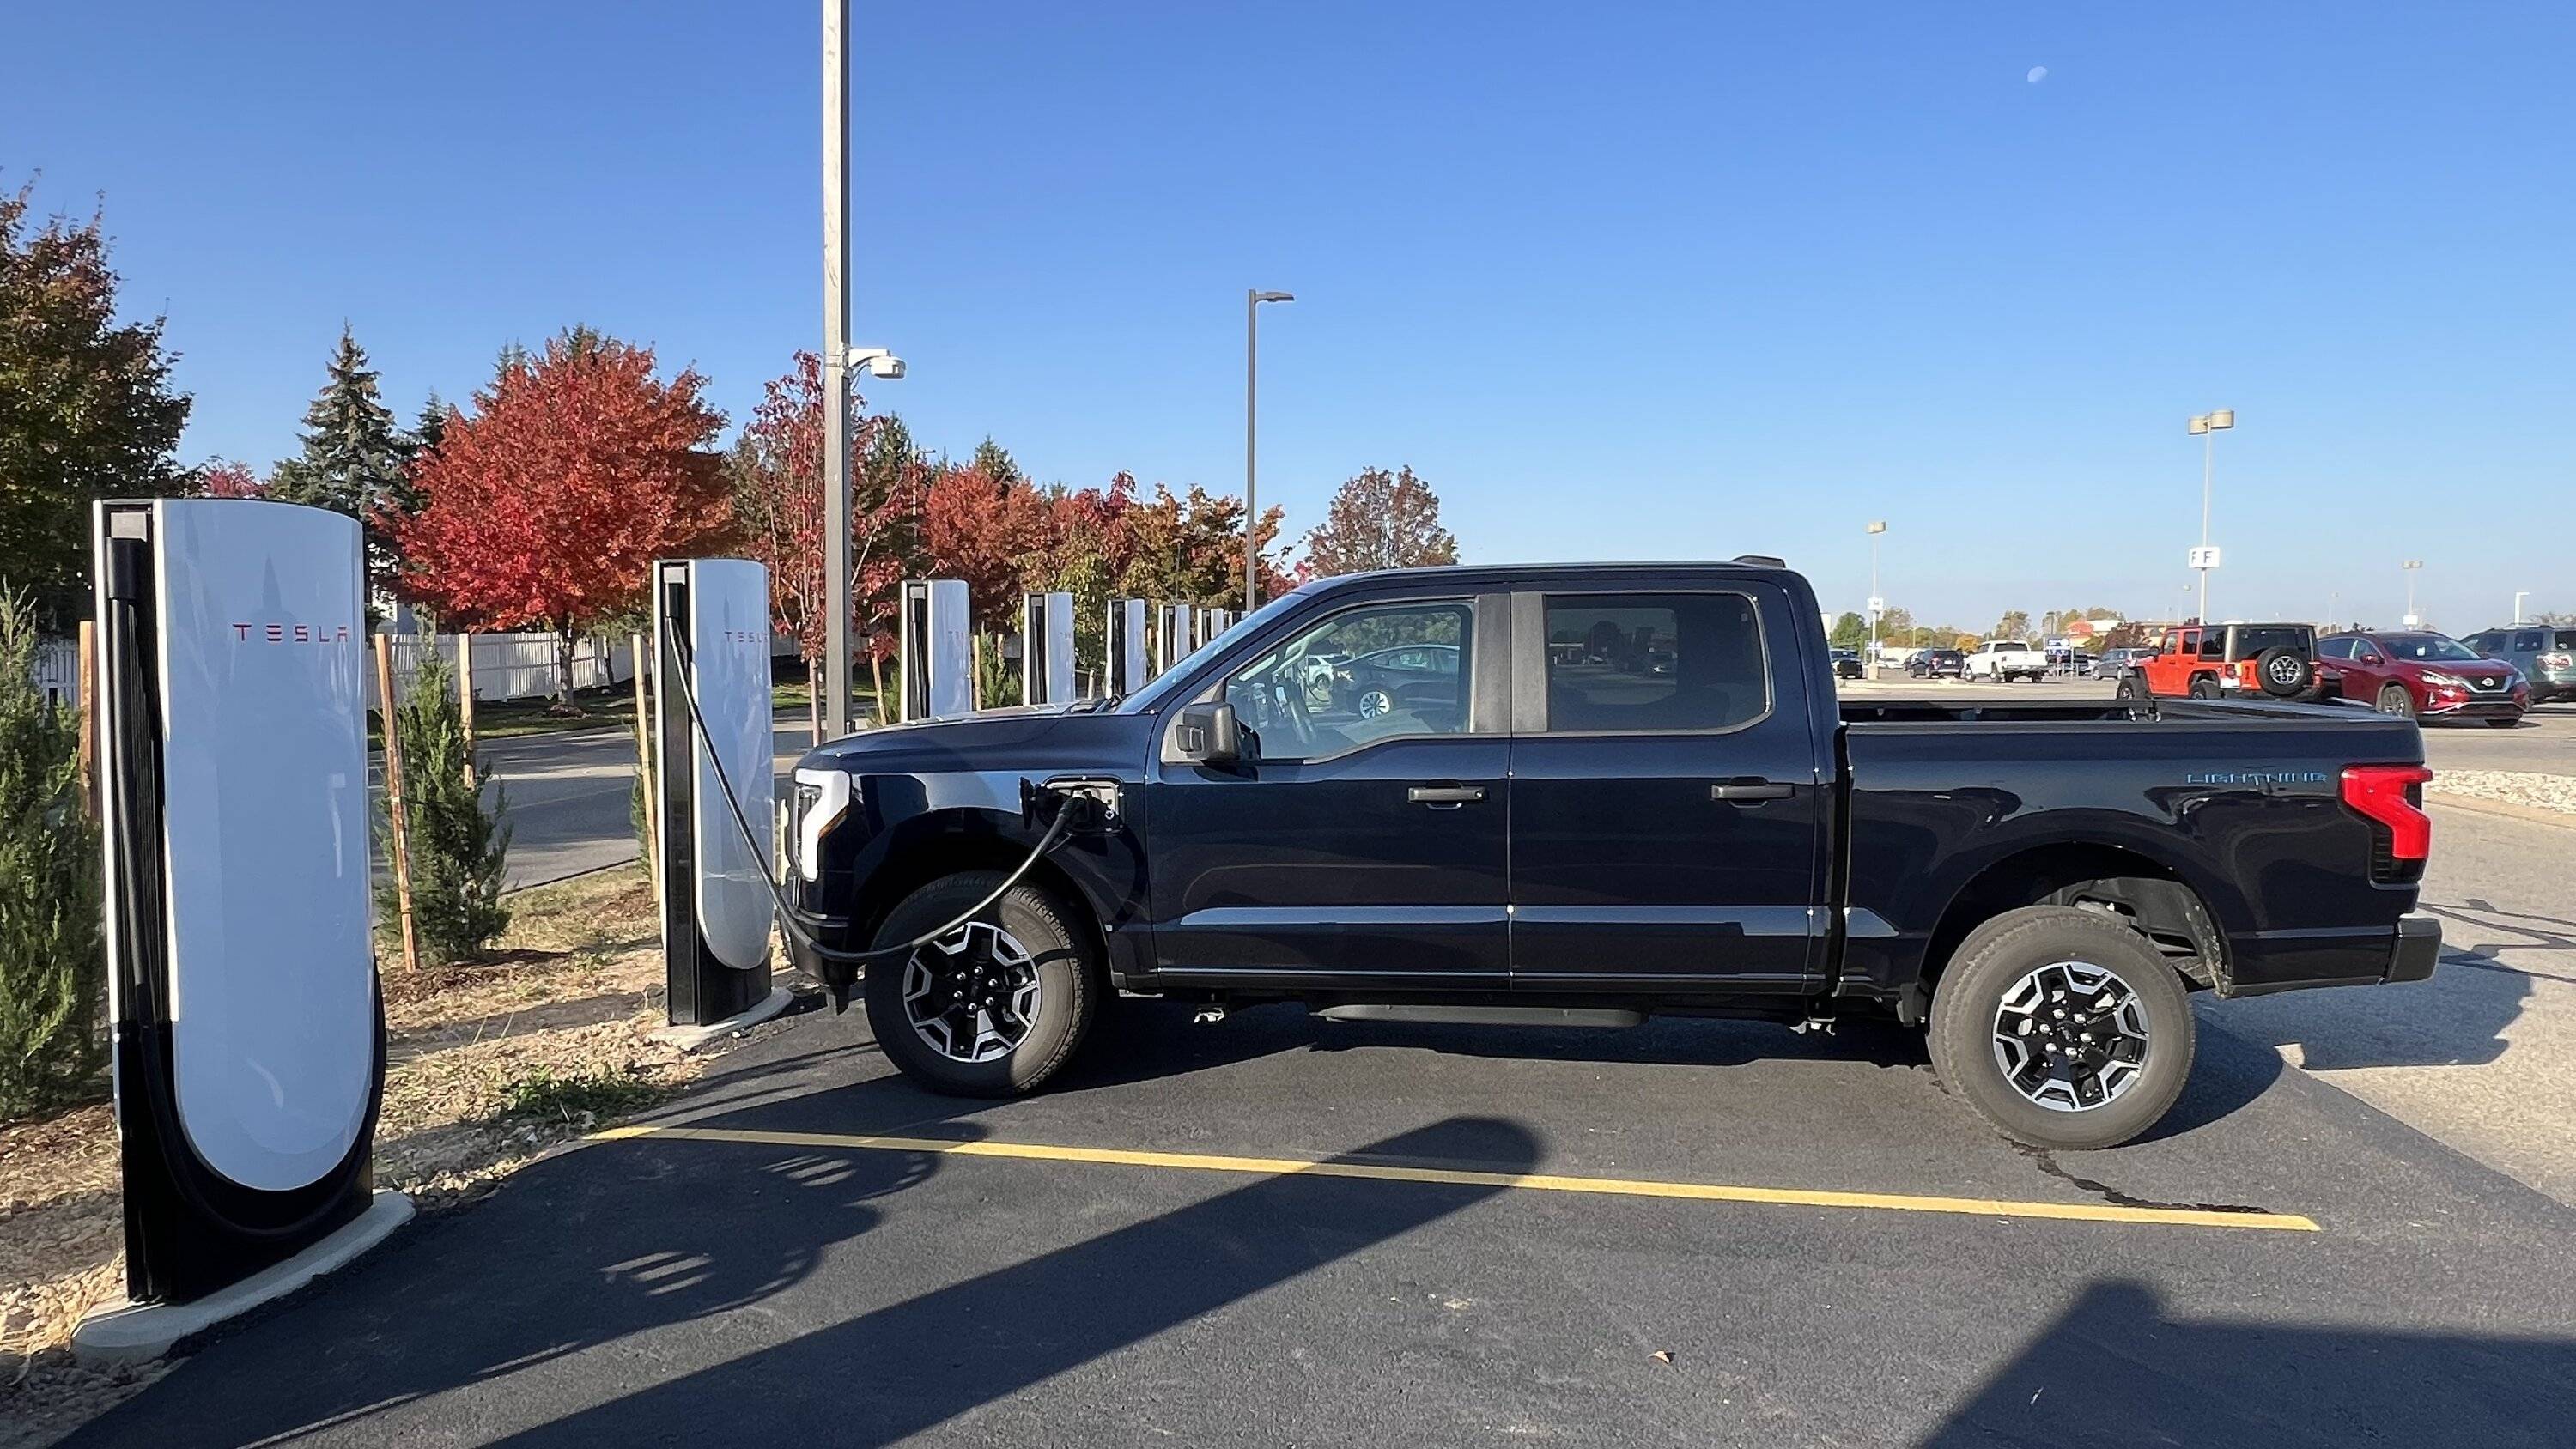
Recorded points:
2132,689
2393,699
2206,687
2502,724
2284,672
1061,963
2006,961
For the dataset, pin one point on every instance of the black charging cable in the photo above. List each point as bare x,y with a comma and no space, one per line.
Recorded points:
1055,834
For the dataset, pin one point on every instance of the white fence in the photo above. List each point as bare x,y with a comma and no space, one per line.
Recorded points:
58,670
512,666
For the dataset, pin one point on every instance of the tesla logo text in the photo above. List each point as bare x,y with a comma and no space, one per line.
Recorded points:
291,633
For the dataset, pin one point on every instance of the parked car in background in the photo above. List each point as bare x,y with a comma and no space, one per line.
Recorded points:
1416,677
2421,674
2544,653
2274,661
1936,664
2005,660
2115,661
1847,664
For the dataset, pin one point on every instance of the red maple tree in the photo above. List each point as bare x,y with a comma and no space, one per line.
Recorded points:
545,504
224,478
777,475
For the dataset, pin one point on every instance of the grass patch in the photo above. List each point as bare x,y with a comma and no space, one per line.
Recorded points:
571,1097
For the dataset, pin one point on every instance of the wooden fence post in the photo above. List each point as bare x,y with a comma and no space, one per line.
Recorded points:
644,772
394,811
86,681
465,698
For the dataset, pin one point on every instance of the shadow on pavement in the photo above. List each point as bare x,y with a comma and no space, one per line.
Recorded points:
2116,1371
574,1251
886,1375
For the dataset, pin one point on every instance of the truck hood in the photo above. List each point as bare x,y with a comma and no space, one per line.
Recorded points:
1042,738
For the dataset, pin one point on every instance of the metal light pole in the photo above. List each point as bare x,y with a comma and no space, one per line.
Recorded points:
2518,596
2412,566
2207,427
835,683
1877,605
1252,301
840,361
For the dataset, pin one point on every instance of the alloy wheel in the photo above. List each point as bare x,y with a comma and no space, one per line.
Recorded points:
973,994
2071,1036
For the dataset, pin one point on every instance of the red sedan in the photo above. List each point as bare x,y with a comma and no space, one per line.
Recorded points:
2429,675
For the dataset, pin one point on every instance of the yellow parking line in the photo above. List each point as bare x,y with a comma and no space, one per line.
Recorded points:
1472,1177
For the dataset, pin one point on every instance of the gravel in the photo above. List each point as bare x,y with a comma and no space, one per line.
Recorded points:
2512,787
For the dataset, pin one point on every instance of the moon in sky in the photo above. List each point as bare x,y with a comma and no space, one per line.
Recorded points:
2037,74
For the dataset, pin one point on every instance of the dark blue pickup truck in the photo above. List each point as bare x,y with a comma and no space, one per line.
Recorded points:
1589,793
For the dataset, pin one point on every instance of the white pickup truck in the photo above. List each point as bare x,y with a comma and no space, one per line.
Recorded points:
2005,660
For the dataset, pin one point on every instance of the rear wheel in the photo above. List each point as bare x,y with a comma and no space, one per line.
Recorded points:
2393,699
2062,1027
993,1008
2205,687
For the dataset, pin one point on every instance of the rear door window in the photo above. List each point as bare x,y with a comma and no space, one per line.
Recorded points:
1654,663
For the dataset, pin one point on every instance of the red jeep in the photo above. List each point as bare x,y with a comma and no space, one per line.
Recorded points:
2275,661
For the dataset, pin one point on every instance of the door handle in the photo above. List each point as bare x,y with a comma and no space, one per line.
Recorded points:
1445,797
1762,790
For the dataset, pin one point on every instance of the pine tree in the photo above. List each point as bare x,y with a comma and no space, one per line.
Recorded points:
458,849
405,499
53,963
354,459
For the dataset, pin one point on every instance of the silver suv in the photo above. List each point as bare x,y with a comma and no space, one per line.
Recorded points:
2545,653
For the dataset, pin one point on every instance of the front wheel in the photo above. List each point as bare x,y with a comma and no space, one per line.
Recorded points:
2064,1028
2394,699
993,1008
2133,690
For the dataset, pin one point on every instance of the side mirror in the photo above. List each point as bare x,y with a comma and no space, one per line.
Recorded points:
1209,735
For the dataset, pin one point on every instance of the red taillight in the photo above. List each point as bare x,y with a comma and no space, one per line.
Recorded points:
2384,793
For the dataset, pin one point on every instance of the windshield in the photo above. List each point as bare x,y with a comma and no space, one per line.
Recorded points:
1153,694
2420,648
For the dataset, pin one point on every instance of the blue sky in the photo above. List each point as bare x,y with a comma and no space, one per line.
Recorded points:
1622,281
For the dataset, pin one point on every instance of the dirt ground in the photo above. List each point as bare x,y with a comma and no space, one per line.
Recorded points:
487,1066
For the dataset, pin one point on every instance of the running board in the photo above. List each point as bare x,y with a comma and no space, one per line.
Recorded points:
1489,1015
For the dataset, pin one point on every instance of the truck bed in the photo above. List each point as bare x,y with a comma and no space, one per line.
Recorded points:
2240,802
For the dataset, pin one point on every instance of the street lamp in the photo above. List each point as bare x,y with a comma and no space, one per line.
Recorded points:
1252,300
1877,605
2207,427
2412,566
2518,596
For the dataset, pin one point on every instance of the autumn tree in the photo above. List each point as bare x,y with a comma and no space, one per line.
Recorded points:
546,504
1190,549
2015,624
990,532
224,478
775,473
1380,520
86,408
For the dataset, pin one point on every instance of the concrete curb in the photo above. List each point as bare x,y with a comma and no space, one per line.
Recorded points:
2558,819
139,1332
690,1038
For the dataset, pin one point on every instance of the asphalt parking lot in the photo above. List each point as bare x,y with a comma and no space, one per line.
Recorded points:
1741,1236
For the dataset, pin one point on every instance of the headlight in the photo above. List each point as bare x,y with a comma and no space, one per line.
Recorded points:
822,798
2447,681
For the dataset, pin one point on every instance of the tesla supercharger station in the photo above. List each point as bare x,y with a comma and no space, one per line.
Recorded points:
711,629
1176,635
1046,649
934,634
248,1034
1125,670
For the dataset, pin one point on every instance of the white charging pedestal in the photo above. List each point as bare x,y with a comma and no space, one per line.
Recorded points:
1046,649
1127,668
711,629
248,1029
935,642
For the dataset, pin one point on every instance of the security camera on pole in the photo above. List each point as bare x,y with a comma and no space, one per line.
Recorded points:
2207,427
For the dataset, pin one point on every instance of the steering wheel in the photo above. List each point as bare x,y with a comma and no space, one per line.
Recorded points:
1288,697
